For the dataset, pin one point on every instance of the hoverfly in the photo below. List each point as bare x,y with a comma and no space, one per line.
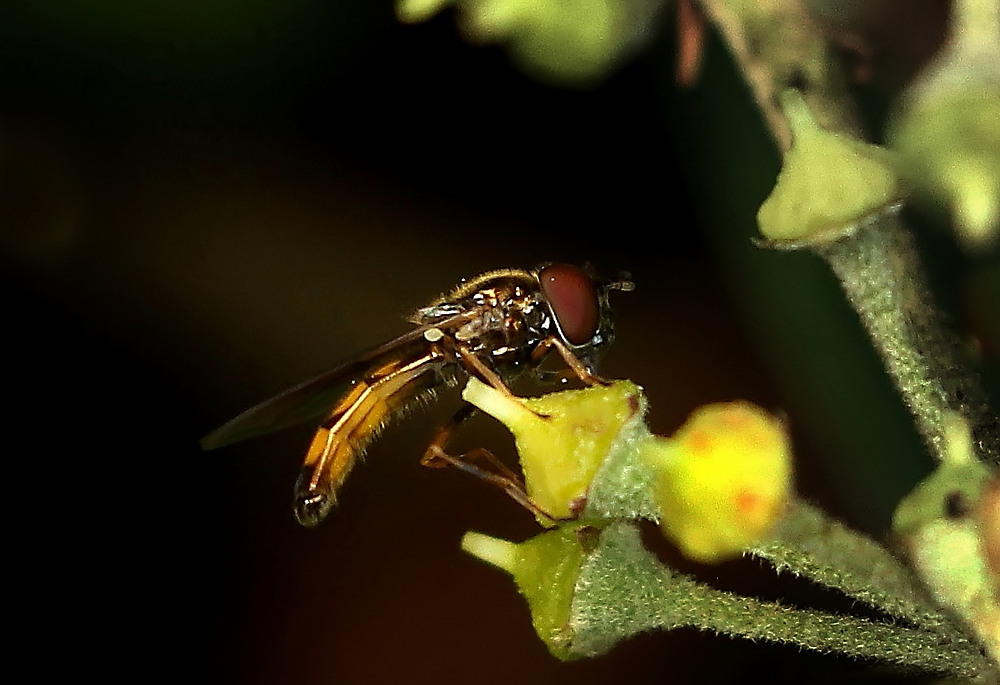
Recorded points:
496,326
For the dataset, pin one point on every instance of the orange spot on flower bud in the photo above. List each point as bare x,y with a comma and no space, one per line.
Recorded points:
747,502
698,441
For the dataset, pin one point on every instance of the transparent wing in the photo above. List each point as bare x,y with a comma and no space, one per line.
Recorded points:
315,397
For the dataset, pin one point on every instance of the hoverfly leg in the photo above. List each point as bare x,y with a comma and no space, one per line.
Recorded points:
477,366
436,457
500,468
510,484
499,474
572,361
432,456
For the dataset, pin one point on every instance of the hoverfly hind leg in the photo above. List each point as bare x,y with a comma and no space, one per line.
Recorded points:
442,437
501,475
511,484
437,456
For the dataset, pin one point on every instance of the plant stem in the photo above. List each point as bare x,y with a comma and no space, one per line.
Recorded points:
777,44
881,274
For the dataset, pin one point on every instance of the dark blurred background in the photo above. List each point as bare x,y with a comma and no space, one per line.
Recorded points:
202,204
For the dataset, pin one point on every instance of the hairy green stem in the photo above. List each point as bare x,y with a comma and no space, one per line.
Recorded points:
880,271
778,44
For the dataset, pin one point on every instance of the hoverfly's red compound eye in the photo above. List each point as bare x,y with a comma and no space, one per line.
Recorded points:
572,294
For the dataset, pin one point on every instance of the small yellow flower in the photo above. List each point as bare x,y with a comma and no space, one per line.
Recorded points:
723,481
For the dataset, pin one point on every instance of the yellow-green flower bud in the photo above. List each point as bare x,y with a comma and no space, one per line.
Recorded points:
941,526
569,43
723,480
828,182
947,130
563,437
545,569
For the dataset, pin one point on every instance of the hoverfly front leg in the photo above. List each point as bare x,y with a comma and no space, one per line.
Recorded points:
436,456
572,361
475,365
